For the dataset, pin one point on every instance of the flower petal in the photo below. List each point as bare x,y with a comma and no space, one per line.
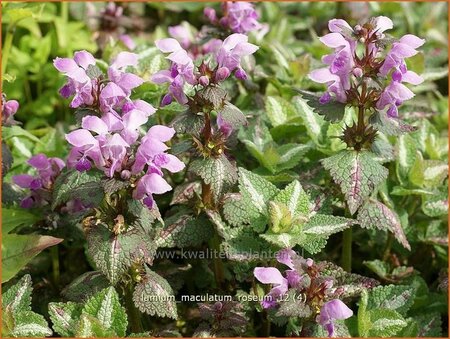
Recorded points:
269,275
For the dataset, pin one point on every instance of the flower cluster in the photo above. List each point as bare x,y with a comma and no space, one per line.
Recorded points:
227,57
347,71
9,108
40,186
112,141
237,17
302,276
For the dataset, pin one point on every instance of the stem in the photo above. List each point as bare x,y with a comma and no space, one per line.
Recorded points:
361,126
387,250
266,324
7,48
347,250
55,264
134,316
217,262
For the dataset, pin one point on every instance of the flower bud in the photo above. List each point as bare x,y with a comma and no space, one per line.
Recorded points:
222,73
203,80
357,72
240,74
210,13
125,174
166,100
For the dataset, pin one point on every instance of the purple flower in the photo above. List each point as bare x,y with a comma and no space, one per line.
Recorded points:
271,275
232,50
393,96
180,72
127,41
9,108
333,81
241,17
47,169
331,311
395,59
152,149
148,185
182,35
116,73
79,82
238,16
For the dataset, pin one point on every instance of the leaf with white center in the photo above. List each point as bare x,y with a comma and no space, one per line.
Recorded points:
18,320
114,254
290,155
357,173
385,323
324,225
85,286
71,184
105,306
313,122
217,172
378,322
91,327
375,215
65,317
313,244
17,298
30,324
233,116
388,125
279,110
332,111
436,205
406,155
393,297
295,198
183,230
154,296
256,189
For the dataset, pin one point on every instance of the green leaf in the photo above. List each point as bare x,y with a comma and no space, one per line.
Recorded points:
375,215
430,325
18,250
233,116
217,172
188,122
384,323
389,125
106,307
13,217
91,327
154,296
290,156
114,254
17,298
378,322
64,317
256,190
71,184
295,198
325,225
357,173
332,111
30,324
428,173
85,286
184,230
312,121
406,155
279,110
436,205
18,320
393,297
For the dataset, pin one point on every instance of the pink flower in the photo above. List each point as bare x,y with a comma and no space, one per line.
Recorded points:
331,311
9,108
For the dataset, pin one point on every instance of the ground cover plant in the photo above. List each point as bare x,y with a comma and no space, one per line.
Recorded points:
224,169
